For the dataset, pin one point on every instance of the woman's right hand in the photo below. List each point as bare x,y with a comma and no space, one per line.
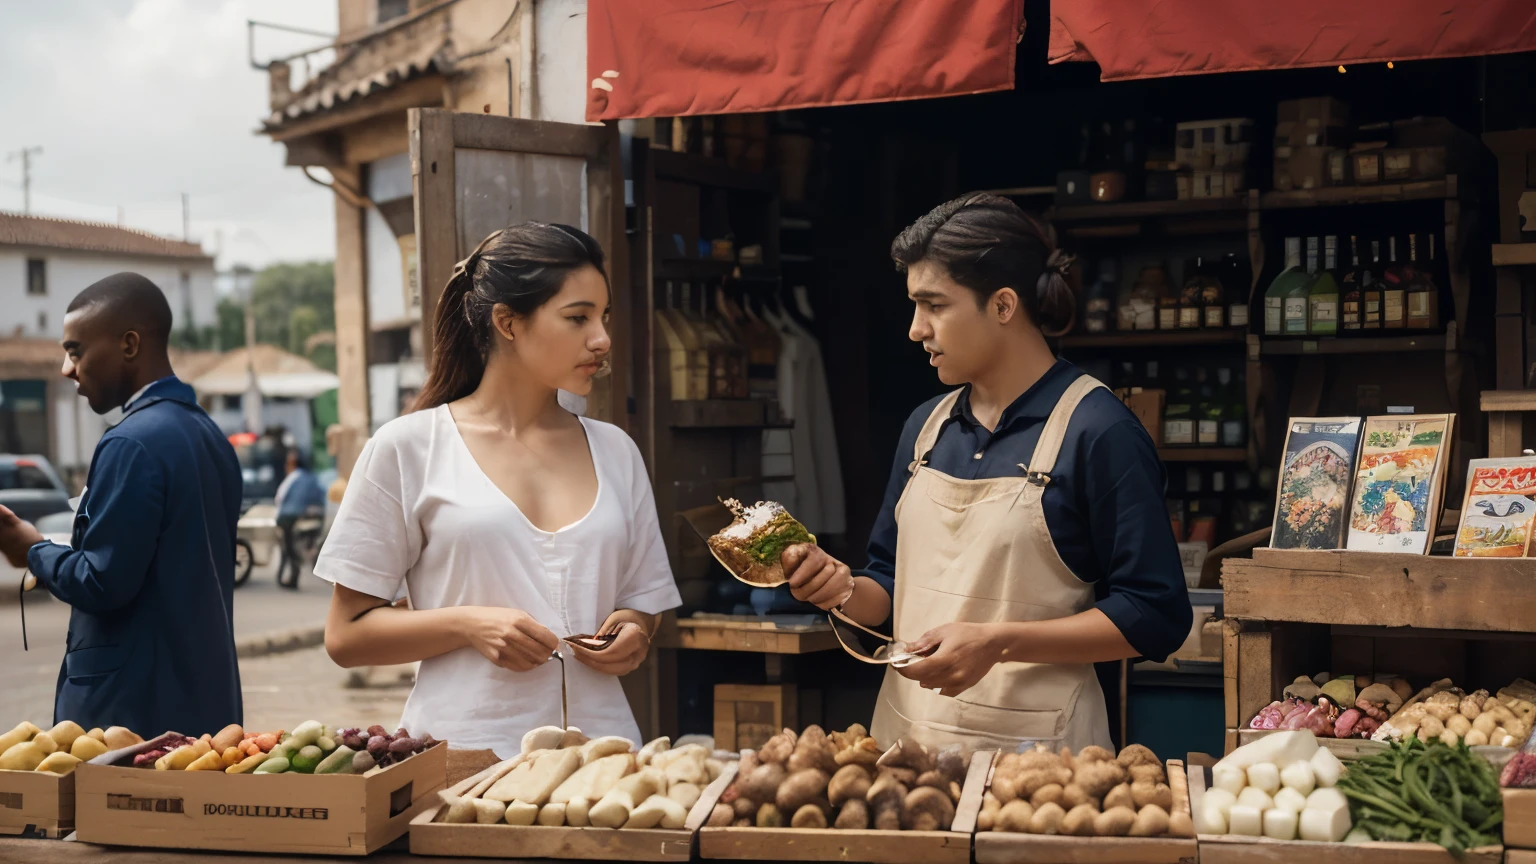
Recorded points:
510,638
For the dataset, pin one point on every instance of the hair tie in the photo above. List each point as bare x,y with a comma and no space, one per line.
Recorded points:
1060,263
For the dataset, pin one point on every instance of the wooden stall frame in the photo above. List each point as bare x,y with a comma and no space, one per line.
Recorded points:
37,804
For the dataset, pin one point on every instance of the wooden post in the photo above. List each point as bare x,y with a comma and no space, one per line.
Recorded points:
352,331
432,182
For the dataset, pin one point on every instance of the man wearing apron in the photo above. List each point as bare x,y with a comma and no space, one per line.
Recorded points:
1024,535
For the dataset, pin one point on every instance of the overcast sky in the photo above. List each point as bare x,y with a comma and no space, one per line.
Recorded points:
137,101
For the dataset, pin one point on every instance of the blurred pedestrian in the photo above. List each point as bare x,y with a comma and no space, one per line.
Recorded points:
299,496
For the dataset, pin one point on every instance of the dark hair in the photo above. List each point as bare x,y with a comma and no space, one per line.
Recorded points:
986,243
134,301
521,267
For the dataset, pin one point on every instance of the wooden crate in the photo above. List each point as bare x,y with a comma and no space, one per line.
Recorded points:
1520,818
1376,589
432,837
1227,849
869,846
37,804
748,715
996,847
758,637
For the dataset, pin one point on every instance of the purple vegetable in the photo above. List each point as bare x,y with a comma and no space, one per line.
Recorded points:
1344,727
148,758
378,745
377,731
404,746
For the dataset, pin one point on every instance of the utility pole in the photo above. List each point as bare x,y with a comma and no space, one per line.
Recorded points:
186,219
25,154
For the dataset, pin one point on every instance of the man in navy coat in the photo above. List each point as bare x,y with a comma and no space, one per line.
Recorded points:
150,565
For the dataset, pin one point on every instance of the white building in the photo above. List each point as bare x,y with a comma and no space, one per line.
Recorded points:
45,262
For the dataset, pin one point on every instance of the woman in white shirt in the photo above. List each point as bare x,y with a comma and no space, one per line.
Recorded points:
508,522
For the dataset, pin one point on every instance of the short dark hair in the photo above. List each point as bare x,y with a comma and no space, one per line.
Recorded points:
986,243
137,303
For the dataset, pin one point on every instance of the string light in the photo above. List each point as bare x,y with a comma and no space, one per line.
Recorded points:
1341,70
1389,65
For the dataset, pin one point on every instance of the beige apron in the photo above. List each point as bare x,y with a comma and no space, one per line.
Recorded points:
978,551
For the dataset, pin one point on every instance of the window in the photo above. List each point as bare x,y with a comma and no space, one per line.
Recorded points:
37,276
391,9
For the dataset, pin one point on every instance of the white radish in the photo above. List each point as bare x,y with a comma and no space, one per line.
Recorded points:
1245,821
1326,798
1279,748
1357,836
1290,799
1280,824
1265,776
1326,767
1256,798
1325,826
1211,820
1229,777
1298,776
1221,799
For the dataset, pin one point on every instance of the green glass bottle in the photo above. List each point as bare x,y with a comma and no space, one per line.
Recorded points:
1323,297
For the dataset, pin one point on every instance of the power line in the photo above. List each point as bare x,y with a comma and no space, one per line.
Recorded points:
25,154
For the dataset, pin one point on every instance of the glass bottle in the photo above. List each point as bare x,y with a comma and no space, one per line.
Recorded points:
1394,290
1236,282
1370,318
1190,309
1234,412
1209,409
1101,298
1323,297
1275,311
1423,297
1179,412
1352,289
1298,295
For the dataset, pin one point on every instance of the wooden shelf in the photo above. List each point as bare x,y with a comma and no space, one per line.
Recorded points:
1353,345
707,172
1377,589
1514,254
1385,193
1154,339
1146,209
750,636
1509,400
1203,454
718,414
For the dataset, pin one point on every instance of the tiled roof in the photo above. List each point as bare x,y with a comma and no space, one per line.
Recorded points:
343,81
18,229
38,355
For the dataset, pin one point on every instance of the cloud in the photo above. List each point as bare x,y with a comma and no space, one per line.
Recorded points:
137,101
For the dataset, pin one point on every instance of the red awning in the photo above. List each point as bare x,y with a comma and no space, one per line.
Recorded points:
1155,38
666,58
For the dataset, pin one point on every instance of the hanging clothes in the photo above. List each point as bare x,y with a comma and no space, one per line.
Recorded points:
803,394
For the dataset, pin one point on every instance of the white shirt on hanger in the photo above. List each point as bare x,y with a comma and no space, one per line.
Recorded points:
420,519
806,401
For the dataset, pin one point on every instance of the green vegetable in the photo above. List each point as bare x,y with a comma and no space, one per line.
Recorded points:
782,532
273,766
1341,691
305,734
1416,793
308,759
326,743
339,762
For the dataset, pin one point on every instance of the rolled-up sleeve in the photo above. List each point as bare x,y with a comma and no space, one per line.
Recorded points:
647,584
1144,593
374,541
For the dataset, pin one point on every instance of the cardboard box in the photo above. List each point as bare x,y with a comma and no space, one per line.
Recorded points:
1306,168
430,836
1366,167
870,846
996,847
746,715
1397,165
1208,144
1320,121
288,813
1147,405
37,804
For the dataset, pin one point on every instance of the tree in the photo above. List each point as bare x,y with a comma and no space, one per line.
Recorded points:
291,303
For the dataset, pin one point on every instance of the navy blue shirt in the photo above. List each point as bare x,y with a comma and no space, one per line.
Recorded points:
1104,506
150,573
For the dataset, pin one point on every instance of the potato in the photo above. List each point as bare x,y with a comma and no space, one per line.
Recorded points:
1097,778
1180,824
1148,774
762,784
1014,817
1049,794
228,737
1144,794
768,816
87,748
1080,821
1121,796
1114,822
45,742
1449,738
1475,738
1151,821
720,817
809,816
1047,819
987,818
745,808
927,809
850,781
58,762
64,734
1430,728
800,788
854,815
1073,797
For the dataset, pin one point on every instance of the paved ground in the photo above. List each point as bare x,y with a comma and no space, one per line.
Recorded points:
281,689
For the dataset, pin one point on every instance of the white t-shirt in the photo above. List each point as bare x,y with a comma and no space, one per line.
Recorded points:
420,519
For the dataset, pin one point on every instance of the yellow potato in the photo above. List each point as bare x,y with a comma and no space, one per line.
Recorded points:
64,733
59,763
87,748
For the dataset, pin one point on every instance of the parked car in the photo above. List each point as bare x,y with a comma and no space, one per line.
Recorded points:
31,488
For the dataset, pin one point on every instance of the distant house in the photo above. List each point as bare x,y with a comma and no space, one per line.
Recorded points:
287,384
45,262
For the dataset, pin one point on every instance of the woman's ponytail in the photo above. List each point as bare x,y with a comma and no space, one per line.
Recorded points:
457,359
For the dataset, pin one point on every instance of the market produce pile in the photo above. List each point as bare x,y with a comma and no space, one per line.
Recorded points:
1092,794
1385,708
562,778
311,748
842,780
60,749
1427,794
750,547
1282,786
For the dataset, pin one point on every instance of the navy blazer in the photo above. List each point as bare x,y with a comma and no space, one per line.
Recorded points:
150,572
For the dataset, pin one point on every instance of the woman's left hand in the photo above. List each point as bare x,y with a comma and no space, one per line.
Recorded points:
622,656
961,655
